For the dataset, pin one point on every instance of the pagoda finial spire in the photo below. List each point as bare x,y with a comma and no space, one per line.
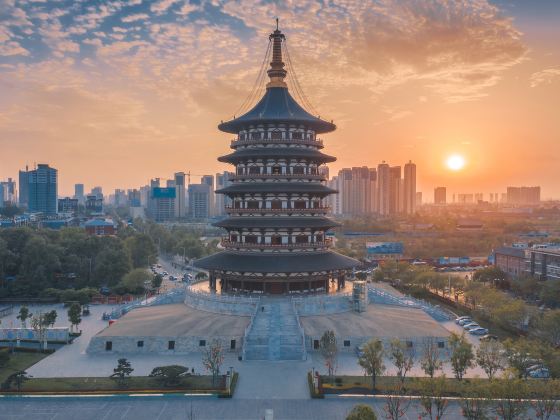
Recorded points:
276,72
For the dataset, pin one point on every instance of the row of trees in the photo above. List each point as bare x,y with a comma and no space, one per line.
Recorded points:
32,261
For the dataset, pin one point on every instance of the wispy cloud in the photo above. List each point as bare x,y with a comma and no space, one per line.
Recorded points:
545,76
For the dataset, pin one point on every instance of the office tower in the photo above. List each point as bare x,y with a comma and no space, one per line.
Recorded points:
97,191
334,201
154,183
180,200
222,201
7,192
134,198
121,198
523,195
440,195
465,198
43,189
24,188
68,205
145,196
418,198
409,188
161,206
79,193
94,205
478,197
383,188
395,191
209,180
199,200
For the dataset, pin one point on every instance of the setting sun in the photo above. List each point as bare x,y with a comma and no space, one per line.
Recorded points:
455,162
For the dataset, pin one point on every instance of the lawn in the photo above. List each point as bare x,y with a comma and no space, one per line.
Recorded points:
20,361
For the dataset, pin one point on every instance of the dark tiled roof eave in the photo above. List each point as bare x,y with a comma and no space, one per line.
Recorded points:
276,187
510,251
277,222
277,152
275,107
276,263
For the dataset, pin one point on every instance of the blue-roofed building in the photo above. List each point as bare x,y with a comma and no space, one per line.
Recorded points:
100,227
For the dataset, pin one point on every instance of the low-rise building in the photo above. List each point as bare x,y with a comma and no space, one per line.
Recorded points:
543,263
100,227
510,260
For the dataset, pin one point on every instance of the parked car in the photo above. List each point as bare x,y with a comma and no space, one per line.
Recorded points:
165,273
462,318
541,373
172,278
465,321
488,337
478,331
470,325
535,367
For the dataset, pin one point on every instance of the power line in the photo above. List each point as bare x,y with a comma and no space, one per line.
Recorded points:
297,85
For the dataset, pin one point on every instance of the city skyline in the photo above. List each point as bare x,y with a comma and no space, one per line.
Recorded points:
140,86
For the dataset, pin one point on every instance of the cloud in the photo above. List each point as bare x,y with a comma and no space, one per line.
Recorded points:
545,76
135,17
162,6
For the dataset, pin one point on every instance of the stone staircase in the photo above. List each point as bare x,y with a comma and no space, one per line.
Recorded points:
275,333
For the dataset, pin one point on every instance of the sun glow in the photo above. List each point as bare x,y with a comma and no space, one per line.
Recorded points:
455,162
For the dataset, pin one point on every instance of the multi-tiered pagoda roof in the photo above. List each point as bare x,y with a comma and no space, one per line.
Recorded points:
277,216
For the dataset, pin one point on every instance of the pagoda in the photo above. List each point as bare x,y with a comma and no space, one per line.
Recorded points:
277,217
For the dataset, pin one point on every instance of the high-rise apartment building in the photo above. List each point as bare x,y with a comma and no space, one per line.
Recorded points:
199,200
440,195
42,189
418,197
180,200
209,180
24,188
7,192
161,206
383,189
356,191
97,191
79,192
523,195
395,191
409,188
222,201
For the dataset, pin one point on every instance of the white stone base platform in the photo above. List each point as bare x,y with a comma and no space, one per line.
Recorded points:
169,329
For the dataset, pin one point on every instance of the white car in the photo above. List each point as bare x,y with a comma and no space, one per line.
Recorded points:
541,373
470,326
478,331
465,321
462,318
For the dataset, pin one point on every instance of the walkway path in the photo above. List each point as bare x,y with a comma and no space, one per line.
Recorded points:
275,333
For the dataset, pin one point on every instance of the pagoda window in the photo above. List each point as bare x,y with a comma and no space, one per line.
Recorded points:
252,204
241,136
233,237
276,135
250,239
296,136
298,170
319,238
313,171
276,240
276,204
240,170
254,170
316,204
302,239
255,136
276,170
299,204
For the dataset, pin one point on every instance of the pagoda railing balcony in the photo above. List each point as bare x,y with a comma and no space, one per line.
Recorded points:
237,142
323,209
318,177
226,243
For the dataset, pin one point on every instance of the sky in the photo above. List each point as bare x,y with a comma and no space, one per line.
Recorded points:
114,93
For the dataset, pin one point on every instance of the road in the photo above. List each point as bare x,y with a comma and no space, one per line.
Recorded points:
195,408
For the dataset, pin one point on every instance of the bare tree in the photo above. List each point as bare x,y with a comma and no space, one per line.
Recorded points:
462,355
396,403
490,357
432,400
545,402
508,395
329,351
213,358
430,360
39,323
474,402
402,357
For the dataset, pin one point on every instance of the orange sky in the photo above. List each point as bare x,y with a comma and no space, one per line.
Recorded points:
118,93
